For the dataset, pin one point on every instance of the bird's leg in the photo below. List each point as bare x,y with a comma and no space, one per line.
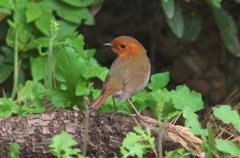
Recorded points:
134,108
114,103
115,108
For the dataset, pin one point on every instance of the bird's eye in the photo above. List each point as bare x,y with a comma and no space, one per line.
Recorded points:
123,45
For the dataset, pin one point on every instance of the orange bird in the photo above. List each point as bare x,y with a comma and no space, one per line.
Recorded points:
128,74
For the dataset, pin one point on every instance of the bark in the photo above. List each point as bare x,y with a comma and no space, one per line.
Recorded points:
106,132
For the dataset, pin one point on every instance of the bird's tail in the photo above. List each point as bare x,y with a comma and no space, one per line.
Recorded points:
102,98
98,102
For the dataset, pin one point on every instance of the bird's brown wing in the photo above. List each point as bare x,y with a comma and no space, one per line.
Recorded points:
134,81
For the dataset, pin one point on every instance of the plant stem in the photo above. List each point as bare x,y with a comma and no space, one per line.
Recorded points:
15,69
50,64
53,33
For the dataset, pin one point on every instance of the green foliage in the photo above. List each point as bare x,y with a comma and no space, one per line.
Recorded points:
8,107
62,146
187,29
227,29
228,147
173,100
227,115
14,150
176,23
137,144
193,123
179,153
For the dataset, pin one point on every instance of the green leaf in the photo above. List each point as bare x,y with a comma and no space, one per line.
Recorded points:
69,13
65,28
216,3
176,22
180,98
227,115
168,8
5,71
131,145
25,110
37,68
192,28
14,150
69,69
193,123
43,23
159,80
228,30
30,93
62,145
77,3
8,107
228,146
60,98
33,12
6,4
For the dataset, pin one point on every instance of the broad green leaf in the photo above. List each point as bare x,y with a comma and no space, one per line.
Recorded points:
69,13
65,28
159,80
238,1
33,12
5,10
60,98
176,22
193,123
43,23
192,28
5,71
227,115
37,70
168,8
77,3
228,30
228,146
6,4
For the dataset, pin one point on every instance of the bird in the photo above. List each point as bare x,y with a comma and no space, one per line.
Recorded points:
128,74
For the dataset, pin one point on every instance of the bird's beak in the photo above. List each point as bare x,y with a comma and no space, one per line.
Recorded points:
108,44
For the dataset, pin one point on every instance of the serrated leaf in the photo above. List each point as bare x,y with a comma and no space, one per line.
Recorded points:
159,80
228,30
176,23
62,145
228,147
132,147
7,107
14,150
227,115
180,98
168,8
193,123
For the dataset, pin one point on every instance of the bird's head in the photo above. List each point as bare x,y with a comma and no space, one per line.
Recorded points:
126,45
